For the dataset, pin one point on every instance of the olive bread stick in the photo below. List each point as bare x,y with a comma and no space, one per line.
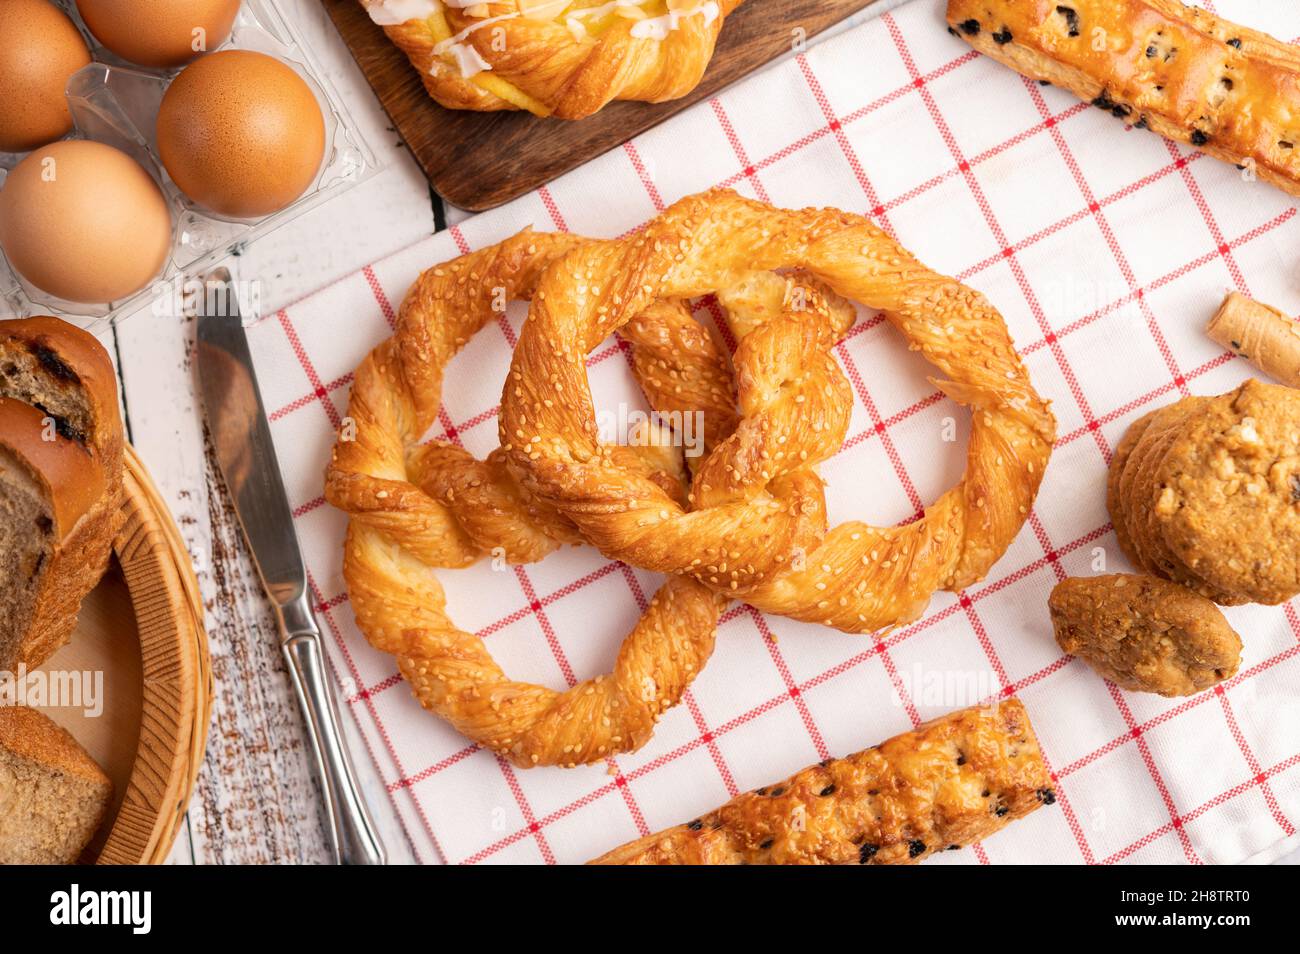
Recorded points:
1188,75
946,784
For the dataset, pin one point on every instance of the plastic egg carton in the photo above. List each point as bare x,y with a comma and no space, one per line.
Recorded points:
116,103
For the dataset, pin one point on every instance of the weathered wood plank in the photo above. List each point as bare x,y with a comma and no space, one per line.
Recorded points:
257,799
480,160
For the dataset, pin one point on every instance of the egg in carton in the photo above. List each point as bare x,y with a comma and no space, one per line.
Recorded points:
216,102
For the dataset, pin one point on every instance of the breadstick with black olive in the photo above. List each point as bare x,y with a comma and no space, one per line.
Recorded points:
1181,71
946,784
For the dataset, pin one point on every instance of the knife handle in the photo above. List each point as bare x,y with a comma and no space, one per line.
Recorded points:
351,828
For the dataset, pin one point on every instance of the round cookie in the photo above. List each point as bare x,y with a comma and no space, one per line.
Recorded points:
1114,499
1228,493
1130,482
1165,431
1135,482
1144,634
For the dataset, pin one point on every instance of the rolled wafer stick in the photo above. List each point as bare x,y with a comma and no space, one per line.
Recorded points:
1262,335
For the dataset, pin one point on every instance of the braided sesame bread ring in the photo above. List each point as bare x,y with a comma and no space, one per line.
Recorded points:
794,399
562,58
860,578
413,507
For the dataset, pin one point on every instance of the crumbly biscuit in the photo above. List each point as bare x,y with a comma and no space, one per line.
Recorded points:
1227,499
1155,430
1161,561
1134,479
1115,500
1144,633
1129,496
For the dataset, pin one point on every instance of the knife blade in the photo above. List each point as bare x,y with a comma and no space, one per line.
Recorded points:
241,436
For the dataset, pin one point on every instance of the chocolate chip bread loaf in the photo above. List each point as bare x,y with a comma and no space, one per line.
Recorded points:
61,448
1188,75
946,784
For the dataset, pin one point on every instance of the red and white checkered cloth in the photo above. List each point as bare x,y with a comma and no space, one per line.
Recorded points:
1106,250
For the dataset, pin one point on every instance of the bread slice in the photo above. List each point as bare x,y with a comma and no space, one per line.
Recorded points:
61,447
65,372
53,797
54,533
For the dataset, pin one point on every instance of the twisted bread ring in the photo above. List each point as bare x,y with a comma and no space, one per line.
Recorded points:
413,507
562,58
860,578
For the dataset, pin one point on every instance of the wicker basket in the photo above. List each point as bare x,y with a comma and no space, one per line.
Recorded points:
142,628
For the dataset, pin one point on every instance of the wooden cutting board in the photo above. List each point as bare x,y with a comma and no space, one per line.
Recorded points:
479,160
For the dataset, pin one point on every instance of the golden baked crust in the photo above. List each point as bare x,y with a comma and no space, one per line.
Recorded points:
746,536
946,784
1142,492
414,506
65,373
1263,335
1115,498
1188,75
1135,483
1131,497
31,734
1144,634
69,367
1169,424
1227,498
67,472
1206,492
53,797
76,569
565,59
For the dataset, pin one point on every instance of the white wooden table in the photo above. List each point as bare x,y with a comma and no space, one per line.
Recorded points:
256,800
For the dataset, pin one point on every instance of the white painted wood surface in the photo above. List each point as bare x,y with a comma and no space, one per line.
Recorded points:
257,800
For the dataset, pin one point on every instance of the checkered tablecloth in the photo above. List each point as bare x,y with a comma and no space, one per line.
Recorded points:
1106,250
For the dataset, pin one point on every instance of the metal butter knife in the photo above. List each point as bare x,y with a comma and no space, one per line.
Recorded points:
242,437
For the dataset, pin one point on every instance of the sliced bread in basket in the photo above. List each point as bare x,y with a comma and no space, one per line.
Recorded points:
53,796
61,447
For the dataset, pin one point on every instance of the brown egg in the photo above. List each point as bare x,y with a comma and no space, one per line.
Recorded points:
39,50
84,222
241,133
159,33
